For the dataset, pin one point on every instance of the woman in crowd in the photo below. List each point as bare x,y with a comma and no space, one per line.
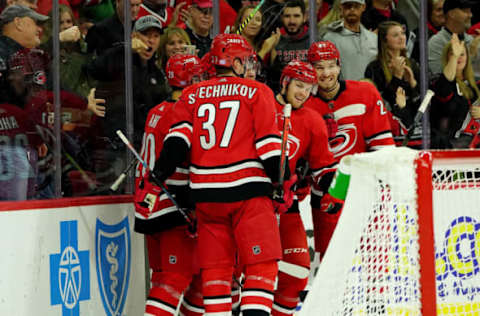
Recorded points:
455,113
393,71
172,42
252,33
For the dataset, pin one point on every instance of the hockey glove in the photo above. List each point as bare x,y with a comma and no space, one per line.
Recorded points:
146,197
302,192
330,204
283,195
332,125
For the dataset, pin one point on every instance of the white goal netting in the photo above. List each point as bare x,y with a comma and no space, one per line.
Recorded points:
372,265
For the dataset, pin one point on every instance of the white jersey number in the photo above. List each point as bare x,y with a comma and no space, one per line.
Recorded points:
14,158
148,154
383,111
209,111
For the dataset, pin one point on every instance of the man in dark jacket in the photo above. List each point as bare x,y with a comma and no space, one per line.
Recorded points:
109,33
150,88
20,34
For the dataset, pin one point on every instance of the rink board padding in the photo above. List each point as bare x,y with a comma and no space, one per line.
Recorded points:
77,256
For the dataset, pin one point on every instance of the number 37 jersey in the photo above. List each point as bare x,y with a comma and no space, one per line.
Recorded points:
230,126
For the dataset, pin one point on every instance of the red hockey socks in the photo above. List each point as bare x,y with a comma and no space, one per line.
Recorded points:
323,227
287,294
216,288
192,303
167,288
257,293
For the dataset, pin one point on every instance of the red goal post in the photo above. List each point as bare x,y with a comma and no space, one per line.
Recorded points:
408,240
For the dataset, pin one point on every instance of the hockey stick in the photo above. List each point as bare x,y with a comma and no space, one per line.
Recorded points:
155,179
421,110
287,111
249,17
122,176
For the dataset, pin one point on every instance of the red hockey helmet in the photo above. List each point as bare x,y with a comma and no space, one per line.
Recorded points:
181,70
324,50
226,47
208,68
300,71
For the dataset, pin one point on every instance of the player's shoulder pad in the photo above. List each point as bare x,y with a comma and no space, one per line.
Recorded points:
315,119
364,86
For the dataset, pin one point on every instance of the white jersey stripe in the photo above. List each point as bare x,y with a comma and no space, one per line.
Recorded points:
381,136
350,110
272,153
182,126
245,165
157,214
267,141
223,185
176,182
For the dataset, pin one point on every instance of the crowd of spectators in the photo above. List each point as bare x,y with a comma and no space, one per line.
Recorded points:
376,44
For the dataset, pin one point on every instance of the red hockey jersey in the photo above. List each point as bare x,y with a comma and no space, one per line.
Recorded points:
19,144
308,139
165,215
361,116
229,124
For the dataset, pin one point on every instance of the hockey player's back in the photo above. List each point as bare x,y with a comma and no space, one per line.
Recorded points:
233,125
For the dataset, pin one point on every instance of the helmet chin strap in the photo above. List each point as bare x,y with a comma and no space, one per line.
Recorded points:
244,69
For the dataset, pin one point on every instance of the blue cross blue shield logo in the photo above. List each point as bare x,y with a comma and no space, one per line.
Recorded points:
69,272
112,248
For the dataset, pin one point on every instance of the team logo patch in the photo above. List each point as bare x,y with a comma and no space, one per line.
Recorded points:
344,141
39,77
112,248
256,250
172,259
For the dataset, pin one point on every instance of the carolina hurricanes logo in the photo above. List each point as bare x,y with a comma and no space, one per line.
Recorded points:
344,140
293,144
39,77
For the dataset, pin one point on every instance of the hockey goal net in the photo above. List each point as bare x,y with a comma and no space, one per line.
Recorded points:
408,240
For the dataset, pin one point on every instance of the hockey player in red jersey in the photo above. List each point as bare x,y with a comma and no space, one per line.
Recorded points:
228,126
20,148
171,247
360,123
308,140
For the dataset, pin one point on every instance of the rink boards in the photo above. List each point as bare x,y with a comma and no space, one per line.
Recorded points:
71,257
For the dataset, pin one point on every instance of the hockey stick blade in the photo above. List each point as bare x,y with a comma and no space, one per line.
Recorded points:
418,117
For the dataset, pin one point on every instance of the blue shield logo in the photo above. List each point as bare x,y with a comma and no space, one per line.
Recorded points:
112,248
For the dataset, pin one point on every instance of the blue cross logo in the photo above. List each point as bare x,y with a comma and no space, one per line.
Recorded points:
69,272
